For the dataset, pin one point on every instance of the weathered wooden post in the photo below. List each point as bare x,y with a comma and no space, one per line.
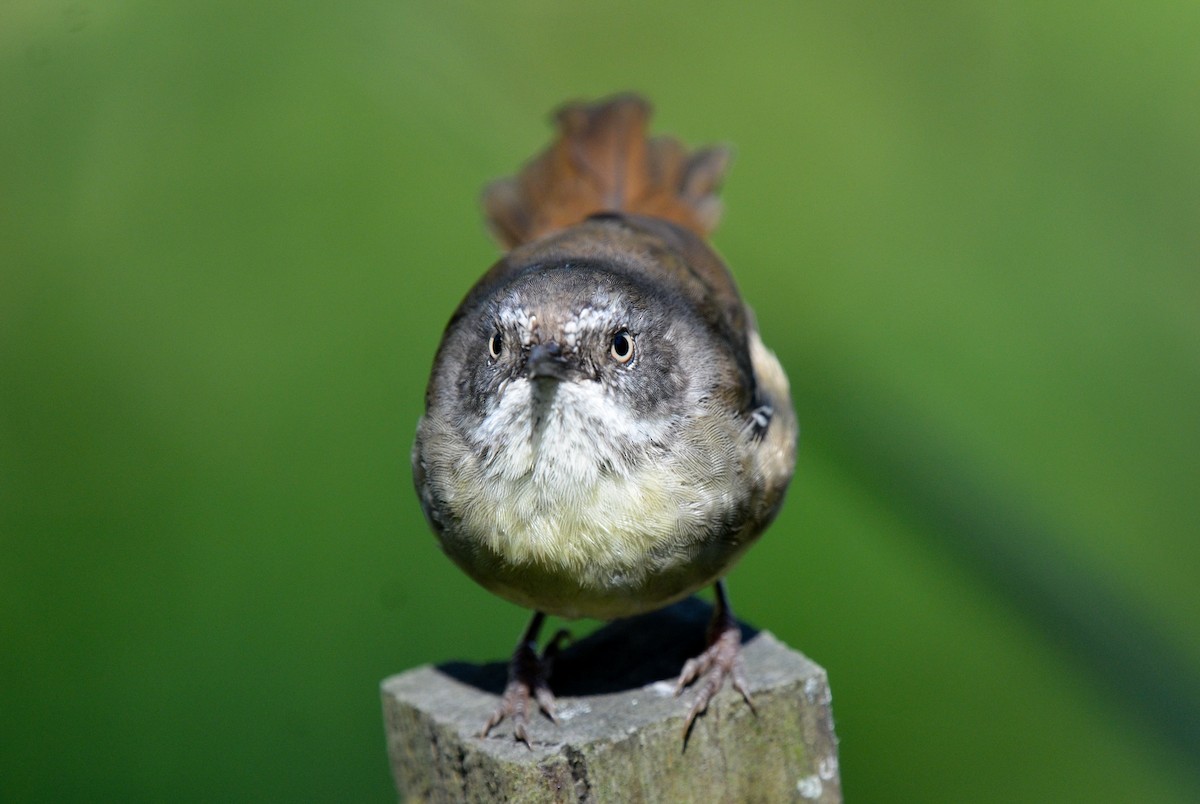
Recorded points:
620,736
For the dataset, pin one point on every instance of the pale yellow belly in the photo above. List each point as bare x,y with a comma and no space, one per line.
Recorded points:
619,546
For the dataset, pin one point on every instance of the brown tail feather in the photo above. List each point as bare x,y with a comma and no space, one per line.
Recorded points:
603,161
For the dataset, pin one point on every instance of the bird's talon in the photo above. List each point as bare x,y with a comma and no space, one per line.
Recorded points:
722,659
528,675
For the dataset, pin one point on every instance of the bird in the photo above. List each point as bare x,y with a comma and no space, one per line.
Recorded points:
604,431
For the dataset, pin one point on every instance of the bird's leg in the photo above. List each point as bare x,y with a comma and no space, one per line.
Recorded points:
722,659
528,676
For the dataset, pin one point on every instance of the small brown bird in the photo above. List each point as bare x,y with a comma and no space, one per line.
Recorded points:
605,432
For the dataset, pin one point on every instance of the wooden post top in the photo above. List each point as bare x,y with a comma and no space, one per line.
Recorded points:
620,736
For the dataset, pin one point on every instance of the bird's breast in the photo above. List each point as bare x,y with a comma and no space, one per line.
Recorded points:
571,479
569,504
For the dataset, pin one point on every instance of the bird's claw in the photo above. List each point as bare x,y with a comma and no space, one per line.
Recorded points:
722,659
528,678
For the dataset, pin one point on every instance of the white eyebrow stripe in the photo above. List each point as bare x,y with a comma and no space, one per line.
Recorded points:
592,318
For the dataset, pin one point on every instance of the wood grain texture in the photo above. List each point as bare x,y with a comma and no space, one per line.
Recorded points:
620,733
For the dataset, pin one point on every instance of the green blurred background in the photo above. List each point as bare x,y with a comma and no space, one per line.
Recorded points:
230,234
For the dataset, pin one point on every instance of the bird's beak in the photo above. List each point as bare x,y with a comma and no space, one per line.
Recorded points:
546,360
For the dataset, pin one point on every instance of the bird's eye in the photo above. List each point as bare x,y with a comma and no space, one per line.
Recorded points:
495,345
622,347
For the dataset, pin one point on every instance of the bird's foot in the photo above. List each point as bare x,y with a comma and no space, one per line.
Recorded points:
528,679
722,659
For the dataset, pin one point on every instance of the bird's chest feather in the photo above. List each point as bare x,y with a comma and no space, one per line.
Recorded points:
571,478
